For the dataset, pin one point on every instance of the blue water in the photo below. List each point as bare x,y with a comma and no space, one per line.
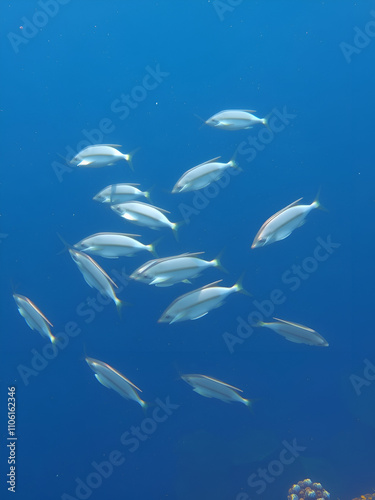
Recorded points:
60,80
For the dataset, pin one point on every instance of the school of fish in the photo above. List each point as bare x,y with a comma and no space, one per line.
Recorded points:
125,200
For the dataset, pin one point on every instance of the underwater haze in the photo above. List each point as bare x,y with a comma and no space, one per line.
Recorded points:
144,76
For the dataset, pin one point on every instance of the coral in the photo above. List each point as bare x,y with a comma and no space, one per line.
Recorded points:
308,490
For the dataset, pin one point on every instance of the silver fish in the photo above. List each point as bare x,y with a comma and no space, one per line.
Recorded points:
34,317
202,175
143,214
120,193
295,333
235,119
171,270
112,379
95,276
99,155
212,388
113,245
198,303
283,223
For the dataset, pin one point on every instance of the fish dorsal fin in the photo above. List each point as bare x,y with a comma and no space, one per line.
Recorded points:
209,285
222,383
197,166
279,212
99,268
147,205
38,311
121,376
115,234
110,145
188,294
208,161
181,256
128,184
249,110
295,324
128,381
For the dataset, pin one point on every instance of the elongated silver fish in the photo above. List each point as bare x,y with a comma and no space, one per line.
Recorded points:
202,175
212,388
99,155
113,245
120,193
142,214
283,223
33,316
171,270
198,303
112,379
95,276
235,119
295,332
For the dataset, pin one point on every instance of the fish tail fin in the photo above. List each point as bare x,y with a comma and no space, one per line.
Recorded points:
176,226
54,339
217,262
129,158
119,305
238,287
258,324
265,121
148,194
234,163
66,245
145,405
249,404
151,247
316,202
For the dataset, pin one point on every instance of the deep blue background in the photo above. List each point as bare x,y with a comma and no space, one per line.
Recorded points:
262,55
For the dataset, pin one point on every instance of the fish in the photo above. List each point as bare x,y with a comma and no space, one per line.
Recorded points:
120,193
34,317
95,276
235,119
202,175
295,332
212,388
112,379
171,270
283,223
100,155
198,303
143,214
113,245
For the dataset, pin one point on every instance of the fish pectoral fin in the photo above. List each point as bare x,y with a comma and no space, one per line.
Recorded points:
285,235
302,222
29,324
84,163
200,316
177,318
102,380
128,216
186,281
158,280
202,392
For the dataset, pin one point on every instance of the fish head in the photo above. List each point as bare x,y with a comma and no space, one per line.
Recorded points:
18,299
118,209
259,241
100,197
212,122
187,378
91,362
167,317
